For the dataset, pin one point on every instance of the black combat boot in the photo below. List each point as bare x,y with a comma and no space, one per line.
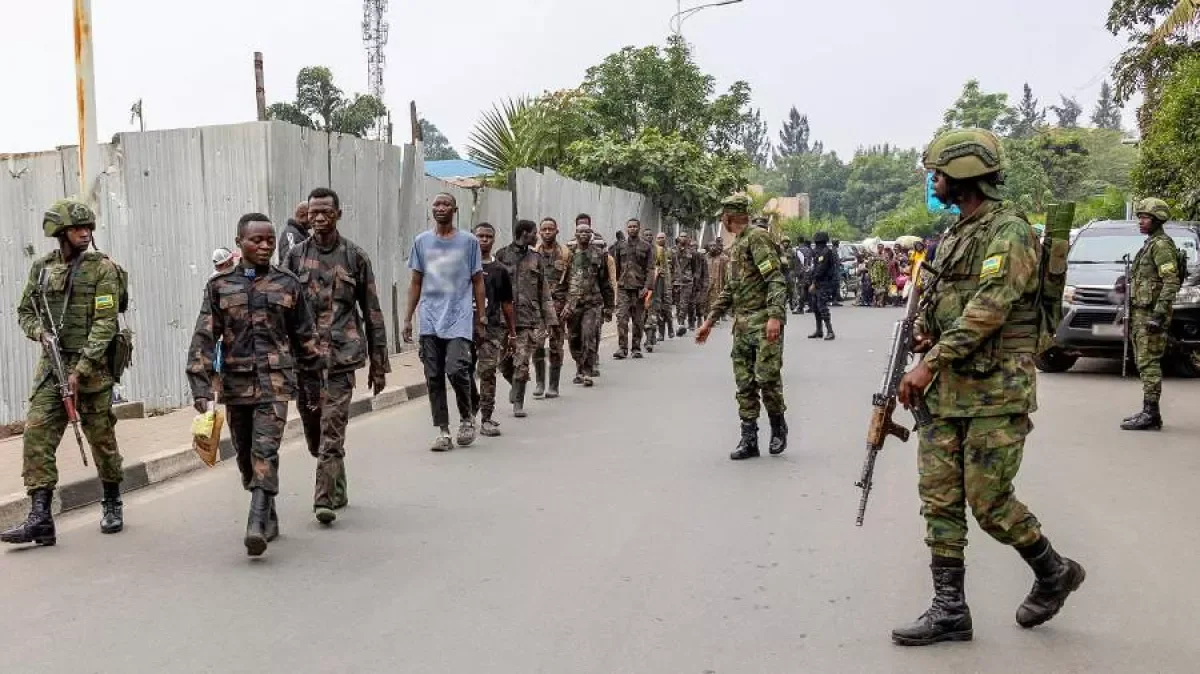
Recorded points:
1149,419
112,518
680,331
517,398
621,354
1056,578
779,434
272,522
555,376
38,526
539,375
948,618
747,447
829,336
820,330
256,523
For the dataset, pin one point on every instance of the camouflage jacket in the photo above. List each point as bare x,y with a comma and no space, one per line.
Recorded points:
86,321
1155,275
718,268
754,289
686,267
587,281
555,258
982,317
265,326
635,265
701,280
339,285
533,306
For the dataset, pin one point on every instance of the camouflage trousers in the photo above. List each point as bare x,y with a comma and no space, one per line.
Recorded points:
585,337
256,431
555,336
515,364
1148,350
757,366
325,431
44,428
973,462
685,296
489,350
630,309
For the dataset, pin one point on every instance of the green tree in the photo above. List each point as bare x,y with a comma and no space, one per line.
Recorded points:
1068,113
793,137
321,105
1108,112
1026,184
1065,160
753,139
530,133
1158,40
1029,115
437,146
838,228
1169,165
878,178
974,108
910,217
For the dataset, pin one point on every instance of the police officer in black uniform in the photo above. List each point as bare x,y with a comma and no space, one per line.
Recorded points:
823,278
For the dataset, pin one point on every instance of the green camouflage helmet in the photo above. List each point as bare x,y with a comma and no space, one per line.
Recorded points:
66,213
965,154
738,204
1155,208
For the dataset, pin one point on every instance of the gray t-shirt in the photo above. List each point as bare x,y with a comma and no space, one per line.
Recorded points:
447,294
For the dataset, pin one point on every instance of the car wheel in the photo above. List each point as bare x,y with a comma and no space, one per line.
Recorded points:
1055,360
1186,364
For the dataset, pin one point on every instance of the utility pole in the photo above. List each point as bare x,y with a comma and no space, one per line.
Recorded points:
260,88
85,100
375,38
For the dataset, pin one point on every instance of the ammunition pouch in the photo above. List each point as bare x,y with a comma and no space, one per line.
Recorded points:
120,353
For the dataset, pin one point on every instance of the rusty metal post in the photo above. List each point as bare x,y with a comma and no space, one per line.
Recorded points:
85,99
260,89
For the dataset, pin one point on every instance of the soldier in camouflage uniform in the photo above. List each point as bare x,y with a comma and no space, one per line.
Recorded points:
497,333
340,287
83,290
589,299
978,379
756,294
635,279
1155,283
650,327
261,317
718,271
533,307
683,276
554,256
664,284
699,287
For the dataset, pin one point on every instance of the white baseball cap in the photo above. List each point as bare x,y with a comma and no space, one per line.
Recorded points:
221,256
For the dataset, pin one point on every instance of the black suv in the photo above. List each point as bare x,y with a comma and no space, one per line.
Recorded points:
1095,296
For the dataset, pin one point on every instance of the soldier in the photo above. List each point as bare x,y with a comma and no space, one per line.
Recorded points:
340,287
804,258
599,244
533,308
635,278
980,389
718,266
835,291
83,290
664,284
823,277
554,256
259,313
498,334
653,311
683,275
296,232
589,299
700,292
787,261
1155,283
757,296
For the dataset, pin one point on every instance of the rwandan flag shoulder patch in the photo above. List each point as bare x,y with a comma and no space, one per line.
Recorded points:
991,266
765,267
104,302
1167,269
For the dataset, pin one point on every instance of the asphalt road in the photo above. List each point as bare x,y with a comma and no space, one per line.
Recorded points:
608,532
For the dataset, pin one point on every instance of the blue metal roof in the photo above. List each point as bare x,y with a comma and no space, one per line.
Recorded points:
454,168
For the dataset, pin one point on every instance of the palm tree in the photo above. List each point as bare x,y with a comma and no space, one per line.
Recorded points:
1184,16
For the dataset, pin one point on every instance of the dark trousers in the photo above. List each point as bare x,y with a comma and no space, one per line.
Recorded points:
325,432
256,431
447,359
818,302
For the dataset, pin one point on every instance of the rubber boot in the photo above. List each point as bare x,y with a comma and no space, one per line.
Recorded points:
555,376
948,617
38,527
1149,419
517,398
829,336
747,447
539,375
112,518
779,434
256,523
1056,578
272,523
820,330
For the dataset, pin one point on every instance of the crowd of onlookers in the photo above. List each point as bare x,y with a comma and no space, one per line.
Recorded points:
885,273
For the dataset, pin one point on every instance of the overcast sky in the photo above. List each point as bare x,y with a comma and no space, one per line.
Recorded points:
867,71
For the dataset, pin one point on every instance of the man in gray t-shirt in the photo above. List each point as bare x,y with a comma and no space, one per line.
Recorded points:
447,286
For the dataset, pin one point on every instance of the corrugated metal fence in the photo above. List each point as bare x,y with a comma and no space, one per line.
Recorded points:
166,199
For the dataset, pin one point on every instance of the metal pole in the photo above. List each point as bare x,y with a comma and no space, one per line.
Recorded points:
260,89
85,100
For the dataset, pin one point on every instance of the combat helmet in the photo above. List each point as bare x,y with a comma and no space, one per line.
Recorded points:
968,154
66,213
821,237
1155,208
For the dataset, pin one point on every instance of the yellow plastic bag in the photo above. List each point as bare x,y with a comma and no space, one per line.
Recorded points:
206,435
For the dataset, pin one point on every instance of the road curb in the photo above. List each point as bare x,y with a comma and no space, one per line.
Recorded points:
181,460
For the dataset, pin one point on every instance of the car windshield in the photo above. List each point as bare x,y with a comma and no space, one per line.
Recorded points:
1108,248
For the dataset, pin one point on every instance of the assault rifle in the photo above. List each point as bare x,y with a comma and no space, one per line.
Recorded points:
884,402
58,368
1127,312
